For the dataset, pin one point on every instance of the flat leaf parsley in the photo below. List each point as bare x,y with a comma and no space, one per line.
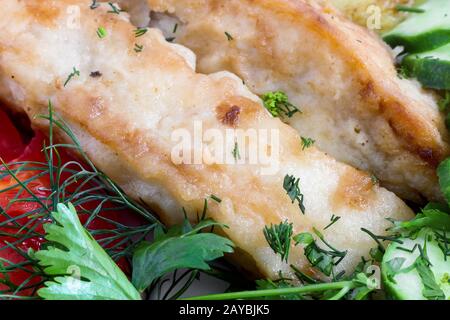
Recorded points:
82,270
181,247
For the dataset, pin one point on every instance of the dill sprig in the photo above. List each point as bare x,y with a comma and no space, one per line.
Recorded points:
279,238
114,9
94,5
307,142
139,32
229,36
74,73
138,48
333,220
379,239
81,183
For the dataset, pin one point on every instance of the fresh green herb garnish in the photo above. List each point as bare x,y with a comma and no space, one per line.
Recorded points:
114,9
175,28
402,8
443,240
73,250
216,199
307,143
379,239
279,238
278,104
393,266
139,32
267,284
374,179
322,259
229,37
443,173
94,5
138,48
290,184
236,153
444,103
88,189
74,73
426,267
101,32
431,218
329,291
178,248
333,220
403,72
431,290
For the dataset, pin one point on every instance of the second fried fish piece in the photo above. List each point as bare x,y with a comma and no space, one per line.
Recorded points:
353,102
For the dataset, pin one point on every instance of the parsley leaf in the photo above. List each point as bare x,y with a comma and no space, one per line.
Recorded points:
82,270
322,259
181,247
432,218
290,185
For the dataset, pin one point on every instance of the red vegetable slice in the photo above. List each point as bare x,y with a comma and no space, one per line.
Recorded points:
11,144
12,150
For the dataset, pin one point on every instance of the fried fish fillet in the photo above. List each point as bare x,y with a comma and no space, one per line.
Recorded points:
342,78
124,105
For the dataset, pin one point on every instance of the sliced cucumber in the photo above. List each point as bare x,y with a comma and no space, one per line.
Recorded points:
431,68
407,276
423,31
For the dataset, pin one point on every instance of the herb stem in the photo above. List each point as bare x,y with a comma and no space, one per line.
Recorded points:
401,8
341,293
343,286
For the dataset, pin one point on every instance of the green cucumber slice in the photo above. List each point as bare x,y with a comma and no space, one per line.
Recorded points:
431,68
423,31
405,280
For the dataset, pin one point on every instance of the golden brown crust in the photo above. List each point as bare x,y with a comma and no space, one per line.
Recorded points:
354,190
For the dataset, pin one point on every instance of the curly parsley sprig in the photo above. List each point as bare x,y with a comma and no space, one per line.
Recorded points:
278,104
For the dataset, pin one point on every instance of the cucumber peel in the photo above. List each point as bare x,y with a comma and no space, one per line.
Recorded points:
431,68
423,31
417,269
